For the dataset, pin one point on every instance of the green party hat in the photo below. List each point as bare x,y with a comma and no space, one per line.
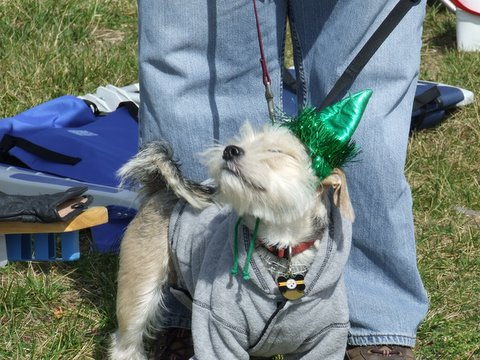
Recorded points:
327,133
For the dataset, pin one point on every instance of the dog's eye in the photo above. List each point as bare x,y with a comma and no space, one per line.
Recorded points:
282,153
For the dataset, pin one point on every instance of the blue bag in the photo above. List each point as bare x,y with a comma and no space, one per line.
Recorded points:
65,137
65,111
432,102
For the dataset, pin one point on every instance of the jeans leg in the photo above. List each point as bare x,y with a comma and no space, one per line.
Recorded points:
201,79
200,75
386,296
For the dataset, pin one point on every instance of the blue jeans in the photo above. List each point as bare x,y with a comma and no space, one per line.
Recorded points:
200,79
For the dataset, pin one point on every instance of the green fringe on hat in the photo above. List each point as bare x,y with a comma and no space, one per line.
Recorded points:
327,134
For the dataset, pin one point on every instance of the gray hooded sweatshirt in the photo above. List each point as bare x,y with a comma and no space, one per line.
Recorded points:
233,318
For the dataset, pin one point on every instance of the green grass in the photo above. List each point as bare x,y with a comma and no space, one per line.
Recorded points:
66,311
50,48
58,311
444,172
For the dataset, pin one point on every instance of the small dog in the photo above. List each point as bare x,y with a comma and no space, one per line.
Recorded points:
267,211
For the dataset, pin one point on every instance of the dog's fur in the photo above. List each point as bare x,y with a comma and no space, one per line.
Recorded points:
262,174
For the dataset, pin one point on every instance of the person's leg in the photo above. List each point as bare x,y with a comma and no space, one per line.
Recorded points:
386,296
200,74
200,79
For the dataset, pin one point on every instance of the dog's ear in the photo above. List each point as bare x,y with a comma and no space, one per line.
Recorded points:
341,199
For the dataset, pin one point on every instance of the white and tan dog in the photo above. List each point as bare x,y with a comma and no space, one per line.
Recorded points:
266,202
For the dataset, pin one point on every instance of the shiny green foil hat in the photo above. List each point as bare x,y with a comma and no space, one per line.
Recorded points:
327,133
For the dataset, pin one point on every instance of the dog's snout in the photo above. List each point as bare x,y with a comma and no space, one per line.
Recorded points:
231,152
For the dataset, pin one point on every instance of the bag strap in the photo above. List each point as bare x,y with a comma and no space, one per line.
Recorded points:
421,104
367,51
9,141
426,97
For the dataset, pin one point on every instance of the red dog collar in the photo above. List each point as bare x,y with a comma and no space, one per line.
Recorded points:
283,252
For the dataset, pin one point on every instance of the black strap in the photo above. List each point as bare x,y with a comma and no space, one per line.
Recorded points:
430,95
420,105
368,50
9,141
131,107
92,106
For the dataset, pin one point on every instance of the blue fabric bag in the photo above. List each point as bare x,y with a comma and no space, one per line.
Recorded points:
65,137
432,102
65,111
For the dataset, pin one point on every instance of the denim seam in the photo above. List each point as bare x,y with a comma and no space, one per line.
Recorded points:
381,335
381,339
298,57
282,61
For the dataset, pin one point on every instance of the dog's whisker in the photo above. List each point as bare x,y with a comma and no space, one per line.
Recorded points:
233,169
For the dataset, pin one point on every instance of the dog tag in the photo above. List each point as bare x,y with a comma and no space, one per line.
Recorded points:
291,287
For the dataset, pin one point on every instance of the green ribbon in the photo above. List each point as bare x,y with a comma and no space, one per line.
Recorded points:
234,270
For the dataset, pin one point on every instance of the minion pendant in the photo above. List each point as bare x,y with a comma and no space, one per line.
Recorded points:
292,286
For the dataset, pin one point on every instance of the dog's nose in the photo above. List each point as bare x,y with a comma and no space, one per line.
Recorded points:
231,152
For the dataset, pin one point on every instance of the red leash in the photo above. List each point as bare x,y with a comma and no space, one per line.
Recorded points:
263,62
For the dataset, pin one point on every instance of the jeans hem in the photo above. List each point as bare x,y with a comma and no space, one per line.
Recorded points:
381,339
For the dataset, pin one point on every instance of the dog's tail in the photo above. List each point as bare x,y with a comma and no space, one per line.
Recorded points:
153,169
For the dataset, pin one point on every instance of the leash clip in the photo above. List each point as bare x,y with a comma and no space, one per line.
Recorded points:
269,98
